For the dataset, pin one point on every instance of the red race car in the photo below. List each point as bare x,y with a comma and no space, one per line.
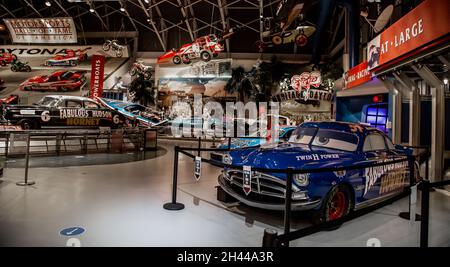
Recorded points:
205,48
6,58
69,58
12,99
57,81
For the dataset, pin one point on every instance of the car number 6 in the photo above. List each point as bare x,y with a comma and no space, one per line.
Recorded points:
45,116
116,119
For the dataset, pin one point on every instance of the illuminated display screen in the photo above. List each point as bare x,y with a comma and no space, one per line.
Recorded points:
377,116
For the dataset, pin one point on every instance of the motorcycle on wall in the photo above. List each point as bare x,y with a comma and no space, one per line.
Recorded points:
115,46
139,68
17,66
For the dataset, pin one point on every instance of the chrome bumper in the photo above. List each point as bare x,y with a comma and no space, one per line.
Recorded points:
296,205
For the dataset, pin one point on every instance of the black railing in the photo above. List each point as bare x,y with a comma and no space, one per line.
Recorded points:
271,238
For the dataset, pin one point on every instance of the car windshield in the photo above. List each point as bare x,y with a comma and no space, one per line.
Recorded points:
325,138
66,75
47,101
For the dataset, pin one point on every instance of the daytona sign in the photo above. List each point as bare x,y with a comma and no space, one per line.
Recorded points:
97,76
312,94
49,51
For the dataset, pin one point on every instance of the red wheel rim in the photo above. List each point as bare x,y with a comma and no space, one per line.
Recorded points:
337,206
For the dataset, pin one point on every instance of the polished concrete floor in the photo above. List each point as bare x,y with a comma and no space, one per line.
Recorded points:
121,205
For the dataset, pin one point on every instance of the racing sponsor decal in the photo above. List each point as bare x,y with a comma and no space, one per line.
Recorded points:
317,157
27,112
247,181
97,76
45,116
83,121
83,113
393,177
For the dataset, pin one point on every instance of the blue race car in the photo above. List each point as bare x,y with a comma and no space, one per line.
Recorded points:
314,145
251,141
135,112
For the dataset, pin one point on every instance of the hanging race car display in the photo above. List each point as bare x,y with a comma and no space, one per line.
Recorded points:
57,81
58,110
204,48
69,58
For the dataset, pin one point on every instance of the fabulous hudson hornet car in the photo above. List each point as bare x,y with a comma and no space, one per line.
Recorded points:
57,110
315,145
57,81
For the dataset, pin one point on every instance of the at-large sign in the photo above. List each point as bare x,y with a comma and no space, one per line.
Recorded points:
427,22
97,76
42,30
358,75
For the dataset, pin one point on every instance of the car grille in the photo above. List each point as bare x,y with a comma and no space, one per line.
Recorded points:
263,185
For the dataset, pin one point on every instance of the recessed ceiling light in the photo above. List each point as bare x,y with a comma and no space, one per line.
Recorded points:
122,9
47,3
92,10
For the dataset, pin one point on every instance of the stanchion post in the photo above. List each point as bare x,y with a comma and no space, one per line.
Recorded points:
7,145
287,204
174,205
269,238
425,210
407,214
199,145
27,161
229,143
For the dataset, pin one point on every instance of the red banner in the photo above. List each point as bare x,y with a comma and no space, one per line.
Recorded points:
427,22
358,75
97,75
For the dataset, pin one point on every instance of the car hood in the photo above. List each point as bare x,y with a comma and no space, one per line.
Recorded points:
285,155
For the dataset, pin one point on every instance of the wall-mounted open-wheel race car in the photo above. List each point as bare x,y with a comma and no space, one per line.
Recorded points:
314,145
69,58
58,110
203,48
60,80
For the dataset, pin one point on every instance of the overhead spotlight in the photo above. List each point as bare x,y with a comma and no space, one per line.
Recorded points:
47,3
92,10
122,9
146,1
445,81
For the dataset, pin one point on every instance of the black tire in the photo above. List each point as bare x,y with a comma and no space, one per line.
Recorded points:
205,56
106,47
14,57
176,60
73,63
27,88
13,69
2,63
332,207
28,124
133,71
28,69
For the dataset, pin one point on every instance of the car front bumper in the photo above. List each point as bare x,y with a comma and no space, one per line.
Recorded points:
296,205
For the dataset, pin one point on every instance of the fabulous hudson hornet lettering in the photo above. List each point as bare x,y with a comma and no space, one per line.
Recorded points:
57,110
315,145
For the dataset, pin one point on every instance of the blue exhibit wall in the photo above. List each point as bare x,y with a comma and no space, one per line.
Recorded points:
351,109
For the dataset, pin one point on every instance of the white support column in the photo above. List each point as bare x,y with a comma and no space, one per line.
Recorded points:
437,121
396,119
